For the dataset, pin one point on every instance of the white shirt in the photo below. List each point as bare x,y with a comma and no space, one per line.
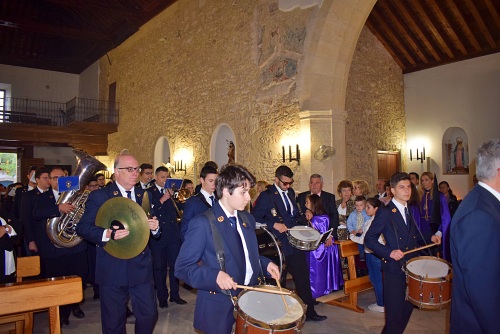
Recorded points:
285,193
207,196
10,263
248,265
490,189
56,194
401,209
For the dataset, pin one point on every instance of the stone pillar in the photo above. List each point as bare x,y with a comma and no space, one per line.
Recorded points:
322,127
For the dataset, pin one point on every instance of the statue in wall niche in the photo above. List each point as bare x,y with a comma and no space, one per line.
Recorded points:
459,157
231,154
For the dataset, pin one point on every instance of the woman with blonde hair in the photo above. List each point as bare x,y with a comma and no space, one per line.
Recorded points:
360,188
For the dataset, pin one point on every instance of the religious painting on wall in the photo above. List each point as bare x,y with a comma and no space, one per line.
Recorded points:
455,151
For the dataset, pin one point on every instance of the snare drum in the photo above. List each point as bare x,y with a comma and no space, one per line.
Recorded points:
428,282
262,313
304,237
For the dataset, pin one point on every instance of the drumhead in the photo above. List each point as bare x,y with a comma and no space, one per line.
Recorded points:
269,308
304,234
428,267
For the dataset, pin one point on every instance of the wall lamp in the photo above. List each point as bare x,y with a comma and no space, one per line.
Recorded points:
179,166
420,157
290,157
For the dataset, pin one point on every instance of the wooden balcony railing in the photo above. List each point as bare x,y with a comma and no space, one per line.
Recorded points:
26,111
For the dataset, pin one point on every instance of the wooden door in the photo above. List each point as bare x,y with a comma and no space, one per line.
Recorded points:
389,162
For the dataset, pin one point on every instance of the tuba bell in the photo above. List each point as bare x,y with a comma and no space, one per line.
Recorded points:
62,230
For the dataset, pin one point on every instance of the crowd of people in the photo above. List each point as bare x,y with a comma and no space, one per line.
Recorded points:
208,240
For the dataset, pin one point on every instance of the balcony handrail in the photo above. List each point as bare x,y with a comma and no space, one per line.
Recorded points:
22,110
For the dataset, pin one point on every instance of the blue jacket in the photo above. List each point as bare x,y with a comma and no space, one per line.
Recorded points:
475,245
197,265
109,269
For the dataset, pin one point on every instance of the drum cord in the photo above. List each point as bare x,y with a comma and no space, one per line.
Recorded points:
412,220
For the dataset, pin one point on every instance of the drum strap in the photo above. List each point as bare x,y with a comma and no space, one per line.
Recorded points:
402,261
219,248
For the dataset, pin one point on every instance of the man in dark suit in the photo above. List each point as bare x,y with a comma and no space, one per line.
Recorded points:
58,261
276,207
202,200
198,264
380,188
165,249
32,237
475,245
400,234
145,176
212,164
117,278
327,199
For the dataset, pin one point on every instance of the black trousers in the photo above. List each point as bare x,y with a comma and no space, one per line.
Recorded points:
397,309
298,268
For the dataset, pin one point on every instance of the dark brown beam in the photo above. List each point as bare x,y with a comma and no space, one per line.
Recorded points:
447,27
480,22
414,27
465,26
432,28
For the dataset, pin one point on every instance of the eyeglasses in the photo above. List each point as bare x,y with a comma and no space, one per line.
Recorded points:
130,169
55,177
286,183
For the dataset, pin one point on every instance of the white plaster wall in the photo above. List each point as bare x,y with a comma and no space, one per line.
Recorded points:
89,82
40,84
464,94
55,155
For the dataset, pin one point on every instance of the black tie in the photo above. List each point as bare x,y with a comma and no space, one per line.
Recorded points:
234,222
162,192
287,203
129,193
408,218
212,198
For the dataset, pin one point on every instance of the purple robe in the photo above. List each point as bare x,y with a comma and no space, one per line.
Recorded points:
324,263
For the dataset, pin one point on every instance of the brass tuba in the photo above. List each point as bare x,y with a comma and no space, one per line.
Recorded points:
61,230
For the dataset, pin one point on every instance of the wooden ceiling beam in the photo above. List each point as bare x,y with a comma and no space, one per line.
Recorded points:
432,28
493,12
465,26
447,26
414,27
403,31
23,24
390,34
479,20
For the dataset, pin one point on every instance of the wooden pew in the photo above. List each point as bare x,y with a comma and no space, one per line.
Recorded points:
23,322
22,297
349,297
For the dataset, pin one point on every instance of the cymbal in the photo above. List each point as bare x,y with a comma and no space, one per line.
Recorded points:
133,218
146,204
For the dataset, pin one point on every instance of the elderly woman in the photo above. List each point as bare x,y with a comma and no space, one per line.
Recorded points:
360,188
345,205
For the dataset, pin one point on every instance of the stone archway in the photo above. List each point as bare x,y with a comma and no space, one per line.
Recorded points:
329,48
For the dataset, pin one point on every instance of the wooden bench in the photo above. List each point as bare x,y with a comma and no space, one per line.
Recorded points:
23,297
349,297
21,323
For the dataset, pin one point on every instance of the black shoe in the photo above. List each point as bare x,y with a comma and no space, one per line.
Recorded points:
129,312
187,286
64,322
316,302
163,304
78,313
179,301
316,317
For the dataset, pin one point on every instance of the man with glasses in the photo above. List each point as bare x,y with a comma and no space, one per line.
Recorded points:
119,279
101,180
145,176
58,261
276,207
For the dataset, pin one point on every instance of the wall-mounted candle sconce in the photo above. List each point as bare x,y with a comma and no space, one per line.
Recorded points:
179,167
420,157
290,157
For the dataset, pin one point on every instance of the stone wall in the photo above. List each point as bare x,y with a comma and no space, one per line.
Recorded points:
199,64
375,108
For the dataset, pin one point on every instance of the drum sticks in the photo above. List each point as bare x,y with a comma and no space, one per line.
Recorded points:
244,287
419,248
282,297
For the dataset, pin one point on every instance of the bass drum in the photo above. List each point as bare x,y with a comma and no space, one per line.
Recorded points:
269,247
